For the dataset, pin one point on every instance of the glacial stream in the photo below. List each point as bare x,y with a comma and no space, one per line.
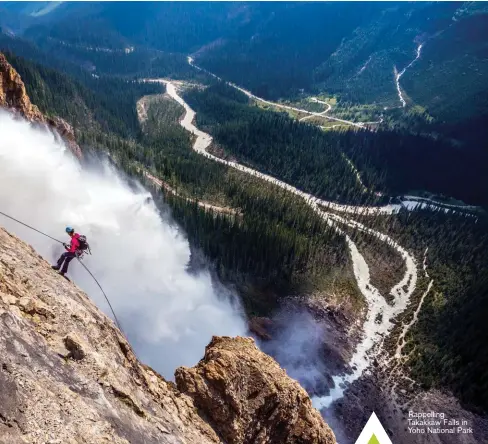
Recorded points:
399,75
378,307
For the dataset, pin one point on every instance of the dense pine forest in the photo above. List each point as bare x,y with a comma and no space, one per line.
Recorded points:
87,63
126,61
394,162
299,154
276,248
105,103
401,162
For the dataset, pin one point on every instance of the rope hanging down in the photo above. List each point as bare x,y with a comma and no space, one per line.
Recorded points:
77,257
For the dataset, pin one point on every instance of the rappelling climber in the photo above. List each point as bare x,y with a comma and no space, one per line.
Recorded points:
74,249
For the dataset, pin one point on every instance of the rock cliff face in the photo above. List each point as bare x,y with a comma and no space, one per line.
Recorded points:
68,375
13,96
249,398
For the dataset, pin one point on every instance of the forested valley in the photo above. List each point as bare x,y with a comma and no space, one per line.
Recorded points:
272,246
393,162
292,251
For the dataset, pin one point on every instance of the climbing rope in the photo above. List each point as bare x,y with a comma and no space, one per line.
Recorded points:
32,228
79,260
101,289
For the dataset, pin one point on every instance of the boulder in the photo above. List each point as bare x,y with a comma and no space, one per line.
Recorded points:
249,399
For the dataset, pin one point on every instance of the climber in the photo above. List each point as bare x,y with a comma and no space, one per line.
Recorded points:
72,250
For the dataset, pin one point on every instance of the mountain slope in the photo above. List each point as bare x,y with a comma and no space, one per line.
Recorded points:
450,77
362,67
276,57
279,49
61,355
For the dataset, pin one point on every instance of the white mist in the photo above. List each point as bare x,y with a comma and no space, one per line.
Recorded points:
140,259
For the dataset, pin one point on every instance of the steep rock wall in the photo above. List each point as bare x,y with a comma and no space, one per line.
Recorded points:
68,375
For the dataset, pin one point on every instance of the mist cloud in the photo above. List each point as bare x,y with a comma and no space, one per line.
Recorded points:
139,258
298,345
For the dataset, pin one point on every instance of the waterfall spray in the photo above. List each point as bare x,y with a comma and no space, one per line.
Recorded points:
141,259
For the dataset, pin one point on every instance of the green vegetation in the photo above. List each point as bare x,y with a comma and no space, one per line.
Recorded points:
393,162
276,144
449,80
161,111
273,62
279,248
106,104
127,61
357,112
400,162
448,346
87,63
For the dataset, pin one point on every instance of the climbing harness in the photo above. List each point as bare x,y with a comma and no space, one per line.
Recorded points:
79,256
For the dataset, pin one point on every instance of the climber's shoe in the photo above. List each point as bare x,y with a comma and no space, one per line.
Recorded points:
66,277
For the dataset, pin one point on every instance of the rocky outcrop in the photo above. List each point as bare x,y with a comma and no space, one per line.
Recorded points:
249,399
13,96
68,375
65,130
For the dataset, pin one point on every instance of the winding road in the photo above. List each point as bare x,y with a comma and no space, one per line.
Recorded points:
380,316
279,105
322,114
310,114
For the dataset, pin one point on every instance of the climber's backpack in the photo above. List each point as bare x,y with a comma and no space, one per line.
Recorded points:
83,244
